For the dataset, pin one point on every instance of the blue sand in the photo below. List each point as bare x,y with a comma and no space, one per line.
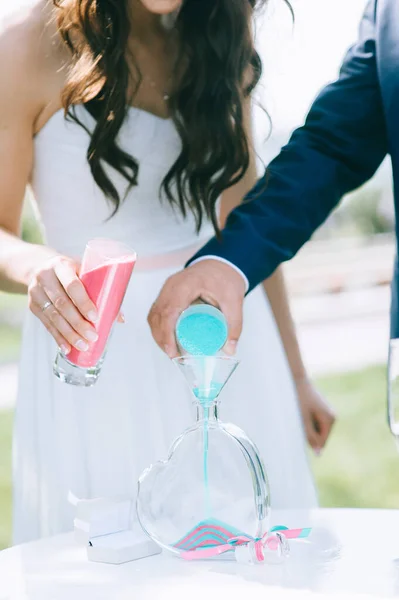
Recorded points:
201,334
215,536
207,395
208,508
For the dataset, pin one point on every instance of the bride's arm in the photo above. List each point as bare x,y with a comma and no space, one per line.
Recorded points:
50,279
318,418
19,106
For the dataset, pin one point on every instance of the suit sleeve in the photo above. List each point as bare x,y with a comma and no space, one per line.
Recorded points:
340,147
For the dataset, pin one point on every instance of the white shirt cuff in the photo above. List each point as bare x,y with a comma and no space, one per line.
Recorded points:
226,262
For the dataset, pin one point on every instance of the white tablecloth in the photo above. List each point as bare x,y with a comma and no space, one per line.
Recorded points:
360,555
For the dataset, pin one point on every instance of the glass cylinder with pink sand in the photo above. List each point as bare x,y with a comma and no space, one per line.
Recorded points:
107,266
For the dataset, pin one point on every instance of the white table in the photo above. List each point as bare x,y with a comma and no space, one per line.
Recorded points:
365,562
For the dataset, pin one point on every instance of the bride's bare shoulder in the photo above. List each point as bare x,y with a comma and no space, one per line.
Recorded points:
30,52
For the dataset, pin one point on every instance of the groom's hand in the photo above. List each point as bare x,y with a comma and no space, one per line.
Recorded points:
213,282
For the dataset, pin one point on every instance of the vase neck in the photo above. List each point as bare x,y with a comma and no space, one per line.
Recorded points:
209,412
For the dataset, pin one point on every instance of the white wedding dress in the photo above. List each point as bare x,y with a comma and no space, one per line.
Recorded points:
96,441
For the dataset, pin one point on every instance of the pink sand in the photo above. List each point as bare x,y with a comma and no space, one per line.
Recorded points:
106,286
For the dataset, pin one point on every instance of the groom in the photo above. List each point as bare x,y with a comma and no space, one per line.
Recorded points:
351,127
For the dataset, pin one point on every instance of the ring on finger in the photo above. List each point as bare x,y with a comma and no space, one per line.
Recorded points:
46,305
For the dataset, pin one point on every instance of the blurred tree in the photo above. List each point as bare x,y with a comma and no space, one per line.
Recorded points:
362,213
364,210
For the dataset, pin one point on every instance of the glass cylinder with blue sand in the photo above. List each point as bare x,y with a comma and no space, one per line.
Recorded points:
201,330
213,487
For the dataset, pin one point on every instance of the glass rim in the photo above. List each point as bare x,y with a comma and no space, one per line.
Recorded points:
187,357
202,307
95,245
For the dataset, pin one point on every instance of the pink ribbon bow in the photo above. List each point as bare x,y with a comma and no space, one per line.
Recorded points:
269,539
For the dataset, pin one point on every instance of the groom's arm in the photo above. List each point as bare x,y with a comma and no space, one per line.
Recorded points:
340,147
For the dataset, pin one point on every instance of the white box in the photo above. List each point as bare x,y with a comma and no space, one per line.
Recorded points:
121,547
110,530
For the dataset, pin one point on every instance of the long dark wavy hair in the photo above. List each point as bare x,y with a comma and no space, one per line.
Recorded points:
218,67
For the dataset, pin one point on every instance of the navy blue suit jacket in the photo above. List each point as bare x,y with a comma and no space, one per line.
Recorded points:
351,127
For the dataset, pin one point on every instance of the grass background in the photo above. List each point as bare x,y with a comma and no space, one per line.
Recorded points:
5,478
358,468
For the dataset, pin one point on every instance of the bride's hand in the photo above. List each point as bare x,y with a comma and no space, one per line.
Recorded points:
318,417
58,298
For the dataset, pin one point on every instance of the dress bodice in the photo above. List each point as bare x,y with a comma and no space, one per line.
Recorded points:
72,207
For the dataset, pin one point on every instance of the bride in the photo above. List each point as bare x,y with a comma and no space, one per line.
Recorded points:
155,151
